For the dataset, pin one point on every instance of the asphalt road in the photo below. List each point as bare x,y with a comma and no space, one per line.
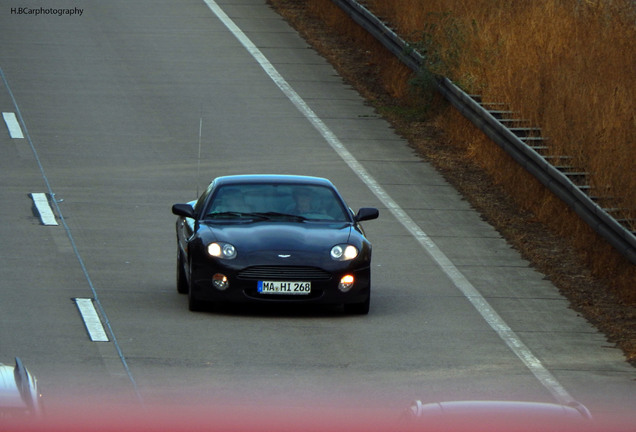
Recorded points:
133,106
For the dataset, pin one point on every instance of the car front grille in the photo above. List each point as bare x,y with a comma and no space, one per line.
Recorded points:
295,273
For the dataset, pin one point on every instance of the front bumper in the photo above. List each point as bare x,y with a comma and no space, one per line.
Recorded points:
243,282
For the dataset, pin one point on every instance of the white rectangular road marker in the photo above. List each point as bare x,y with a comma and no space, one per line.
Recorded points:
15,131
91,319
42,205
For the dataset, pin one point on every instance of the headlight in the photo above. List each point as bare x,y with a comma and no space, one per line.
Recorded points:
344,252
222,250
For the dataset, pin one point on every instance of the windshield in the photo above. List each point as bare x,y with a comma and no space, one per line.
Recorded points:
276,202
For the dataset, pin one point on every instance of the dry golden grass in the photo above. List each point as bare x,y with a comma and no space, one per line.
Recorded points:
569,66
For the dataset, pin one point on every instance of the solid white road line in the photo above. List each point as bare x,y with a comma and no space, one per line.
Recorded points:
15,131
91,319
44,209
448,267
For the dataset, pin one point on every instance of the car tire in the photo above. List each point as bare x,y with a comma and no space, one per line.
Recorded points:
182,282
358,308
195,305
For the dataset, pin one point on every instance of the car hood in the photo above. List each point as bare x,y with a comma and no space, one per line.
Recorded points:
282,236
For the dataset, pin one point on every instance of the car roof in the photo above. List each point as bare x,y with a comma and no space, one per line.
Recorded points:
9,391
480,408
272,178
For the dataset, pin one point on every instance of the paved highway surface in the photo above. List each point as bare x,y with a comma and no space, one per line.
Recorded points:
135,105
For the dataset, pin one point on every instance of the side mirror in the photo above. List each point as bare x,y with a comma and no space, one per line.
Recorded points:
367,213
184,210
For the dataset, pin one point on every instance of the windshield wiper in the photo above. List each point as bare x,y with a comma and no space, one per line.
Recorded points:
269,215
233,214
257,215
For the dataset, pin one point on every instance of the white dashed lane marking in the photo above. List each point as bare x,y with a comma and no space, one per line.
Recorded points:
91,319
15,131
44,209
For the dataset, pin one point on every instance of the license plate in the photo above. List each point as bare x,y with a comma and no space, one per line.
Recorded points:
279,287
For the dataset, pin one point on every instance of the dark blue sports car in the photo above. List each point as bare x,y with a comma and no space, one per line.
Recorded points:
273,238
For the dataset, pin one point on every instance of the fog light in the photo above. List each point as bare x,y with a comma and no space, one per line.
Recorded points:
220,281
345,283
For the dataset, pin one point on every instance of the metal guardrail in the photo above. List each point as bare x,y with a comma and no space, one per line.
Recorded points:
555,180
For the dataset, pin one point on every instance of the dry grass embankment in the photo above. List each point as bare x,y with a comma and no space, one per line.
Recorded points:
568,66
564,67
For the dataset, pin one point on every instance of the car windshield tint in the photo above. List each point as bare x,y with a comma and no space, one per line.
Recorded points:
276,202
